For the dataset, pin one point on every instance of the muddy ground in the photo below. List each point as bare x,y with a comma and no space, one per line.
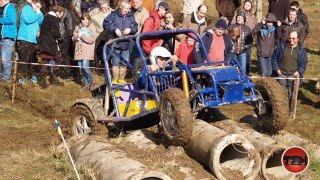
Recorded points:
28,137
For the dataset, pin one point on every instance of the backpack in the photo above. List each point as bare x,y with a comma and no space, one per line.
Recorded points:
19,7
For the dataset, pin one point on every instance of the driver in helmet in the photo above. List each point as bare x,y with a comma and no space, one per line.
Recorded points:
158,58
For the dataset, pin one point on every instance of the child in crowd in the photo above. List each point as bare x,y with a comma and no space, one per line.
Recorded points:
185,51
84,36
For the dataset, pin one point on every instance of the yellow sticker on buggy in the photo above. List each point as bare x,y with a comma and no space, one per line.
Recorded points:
134,107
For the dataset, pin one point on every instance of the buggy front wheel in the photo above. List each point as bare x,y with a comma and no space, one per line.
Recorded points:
176,119
275,105
83,122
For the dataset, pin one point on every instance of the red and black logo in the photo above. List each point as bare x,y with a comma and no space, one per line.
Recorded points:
295,159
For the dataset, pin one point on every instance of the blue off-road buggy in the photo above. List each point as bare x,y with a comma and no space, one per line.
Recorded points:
177,93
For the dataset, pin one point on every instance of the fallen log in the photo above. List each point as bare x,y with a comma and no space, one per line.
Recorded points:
270,151
229,156
107,161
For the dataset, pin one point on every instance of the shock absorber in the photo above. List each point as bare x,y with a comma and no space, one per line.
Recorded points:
185,83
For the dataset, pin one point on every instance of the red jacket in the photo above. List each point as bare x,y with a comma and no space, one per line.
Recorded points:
151,24
184,53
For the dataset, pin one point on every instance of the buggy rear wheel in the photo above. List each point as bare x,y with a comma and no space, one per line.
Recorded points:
176,119
83,122
276,104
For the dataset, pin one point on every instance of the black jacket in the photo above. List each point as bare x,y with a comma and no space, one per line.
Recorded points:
266,43
303,18
49,33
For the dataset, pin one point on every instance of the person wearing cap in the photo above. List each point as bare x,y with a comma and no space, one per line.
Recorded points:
158,58
244,41
218,44
153,23
196,20
266,32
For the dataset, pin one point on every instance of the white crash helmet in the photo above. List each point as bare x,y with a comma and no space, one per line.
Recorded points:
159,51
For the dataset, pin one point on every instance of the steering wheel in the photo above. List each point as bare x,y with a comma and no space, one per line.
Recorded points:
174,64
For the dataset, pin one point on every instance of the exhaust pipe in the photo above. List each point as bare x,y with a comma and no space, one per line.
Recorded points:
229,156
270,151
108,162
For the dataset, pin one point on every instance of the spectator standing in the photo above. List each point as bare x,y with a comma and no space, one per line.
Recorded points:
227,8
8,37
301,16
244,42
280,8
249,10
140,13
97,18
196,20
49,50
290,60
153,23
290,24
266,32
84,36
119,23
190,6
30,21
218,44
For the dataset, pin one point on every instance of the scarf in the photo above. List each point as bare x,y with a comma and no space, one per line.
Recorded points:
264,31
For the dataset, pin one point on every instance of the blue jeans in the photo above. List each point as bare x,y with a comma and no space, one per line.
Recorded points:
6,46
125,54
242,58
265,66
85,72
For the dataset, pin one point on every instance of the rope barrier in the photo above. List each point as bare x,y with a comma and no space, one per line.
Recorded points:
72,66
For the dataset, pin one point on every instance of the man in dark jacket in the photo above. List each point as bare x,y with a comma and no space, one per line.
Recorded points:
290,61
301,16
217,44
119,23
292,23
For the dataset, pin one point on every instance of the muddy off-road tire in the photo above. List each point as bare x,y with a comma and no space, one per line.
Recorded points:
277,104
83,122
176,119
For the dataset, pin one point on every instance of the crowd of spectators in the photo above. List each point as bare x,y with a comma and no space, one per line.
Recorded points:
73,33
